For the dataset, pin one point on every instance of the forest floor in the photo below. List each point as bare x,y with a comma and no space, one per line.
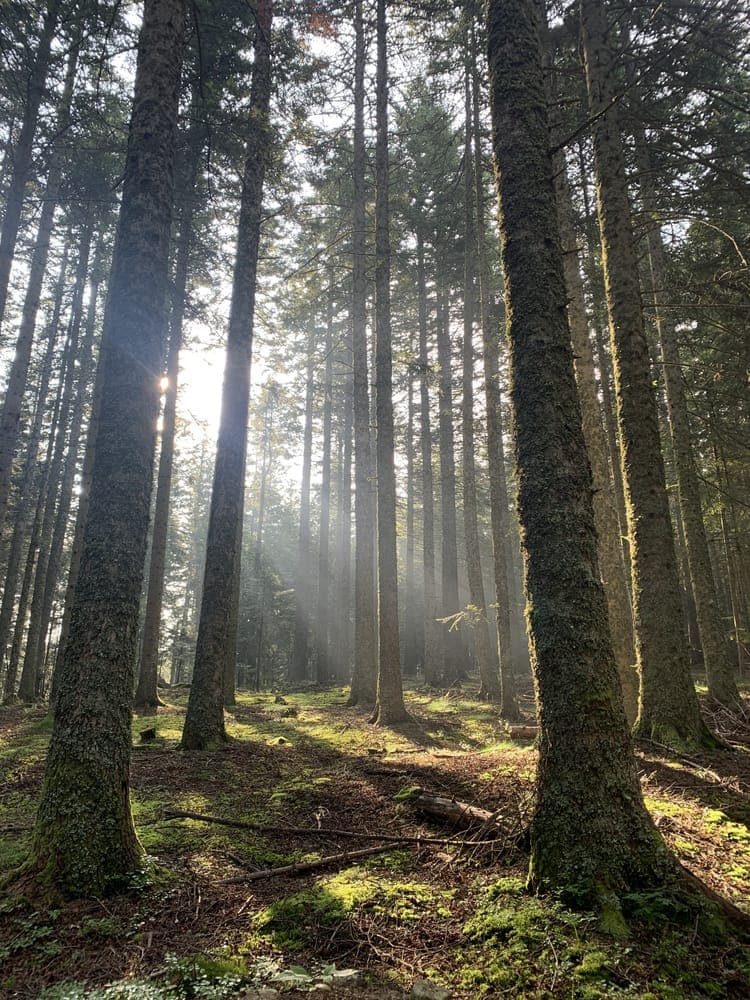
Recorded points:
458,918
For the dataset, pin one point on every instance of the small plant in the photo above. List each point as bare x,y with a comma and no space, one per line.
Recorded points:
300,979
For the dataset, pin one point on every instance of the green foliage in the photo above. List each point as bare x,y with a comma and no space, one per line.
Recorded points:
33,933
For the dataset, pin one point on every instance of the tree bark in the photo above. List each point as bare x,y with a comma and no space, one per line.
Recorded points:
365,632
668,709
84,840
591,836
595,282
204,721
389,708
606,520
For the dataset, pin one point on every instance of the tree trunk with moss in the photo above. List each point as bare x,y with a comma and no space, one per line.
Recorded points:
84,840
204,720
668,709
389,707
607,522
365,632
722,686
591,836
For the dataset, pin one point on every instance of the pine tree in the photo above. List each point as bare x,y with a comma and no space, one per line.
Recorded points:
84,840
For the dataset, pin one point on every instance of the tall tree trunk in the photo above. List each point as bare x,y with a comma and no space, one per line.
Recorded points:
56,481
22,153
389,708
496,458
25,491
432,656
303,597
489,671
606,520
668,709
591,835
323,612
147,691
258,571
204,721
84,493
595,284
455,662
344,542
69,468
365,633
412,654
84,840
10,420
722,686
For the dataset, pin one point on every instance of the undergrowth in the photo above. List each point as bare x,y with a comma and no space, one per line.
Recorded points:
462,920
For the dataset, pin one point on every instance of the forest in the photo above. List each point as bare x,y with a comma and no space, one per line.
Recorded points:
375,499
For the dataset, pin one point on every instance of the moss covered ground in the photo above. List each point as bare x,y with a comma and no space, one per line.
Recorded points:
190,925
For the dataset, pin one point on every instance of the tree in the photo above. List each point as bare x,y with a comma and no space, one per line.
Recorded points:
591,835
499,519
607,522
722,687
489,672
668,709
204,722
84,841
390,708
147,694
22,154
365,630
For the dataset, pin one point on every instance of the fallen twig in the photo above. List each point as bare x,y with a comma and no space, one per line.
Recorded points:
305,866
307,831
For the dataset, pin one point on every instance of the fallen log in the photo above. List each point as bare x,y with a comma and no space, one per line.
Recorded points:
523,732
458,813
